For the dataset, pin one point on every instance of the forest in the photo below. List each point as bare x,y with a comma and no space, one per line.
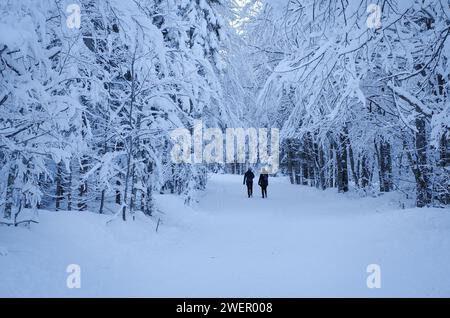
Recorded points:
340,107
359,107
86,113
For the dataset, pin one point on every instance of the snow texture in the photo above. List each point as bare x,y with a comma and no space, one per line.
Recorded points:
298,242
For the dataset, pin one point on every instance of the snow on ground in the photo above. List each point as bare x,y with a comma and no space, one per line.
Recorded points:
300,242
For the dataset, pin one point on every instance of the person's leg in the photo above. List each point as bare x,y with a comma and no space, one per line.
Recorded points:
248,189
251,189
262,191
265,191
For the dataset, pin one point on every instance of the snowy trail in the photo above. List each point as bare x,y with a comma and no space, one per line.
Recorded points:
298,242
305,242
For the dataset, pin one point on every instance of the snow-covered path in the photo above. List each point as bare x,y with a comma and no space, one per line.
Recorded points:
299,242
305,242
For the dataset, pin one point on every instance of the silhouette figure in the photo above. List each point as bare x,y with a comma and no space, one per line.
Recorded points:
263,182
248,180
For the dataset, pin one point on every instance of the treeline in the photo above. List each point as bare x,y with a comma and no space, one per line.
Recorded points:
85,113
361,103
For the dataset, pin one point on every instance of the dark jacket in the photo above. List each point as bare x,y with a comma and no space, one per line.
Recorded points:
248,177
263,180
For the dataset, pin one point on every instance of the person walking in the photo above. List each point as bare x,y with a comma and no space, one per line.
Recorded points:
248,180
263,182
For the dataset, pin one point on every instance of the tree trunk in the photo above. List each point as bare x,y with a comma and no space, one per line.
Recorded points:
352,165
342,164
82,189
423,191
331,165
102,202
305,170
130,153
69,192
289,161
383,150
444,162
10,188
321,167
118,193
59,185
149,205
365,172
133,189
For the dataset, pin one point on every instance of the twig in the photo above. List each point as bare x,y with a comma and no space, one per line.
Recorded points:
157,224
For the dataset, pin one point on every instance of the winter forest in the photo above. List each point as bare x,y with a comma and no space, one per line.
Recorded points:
90,91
